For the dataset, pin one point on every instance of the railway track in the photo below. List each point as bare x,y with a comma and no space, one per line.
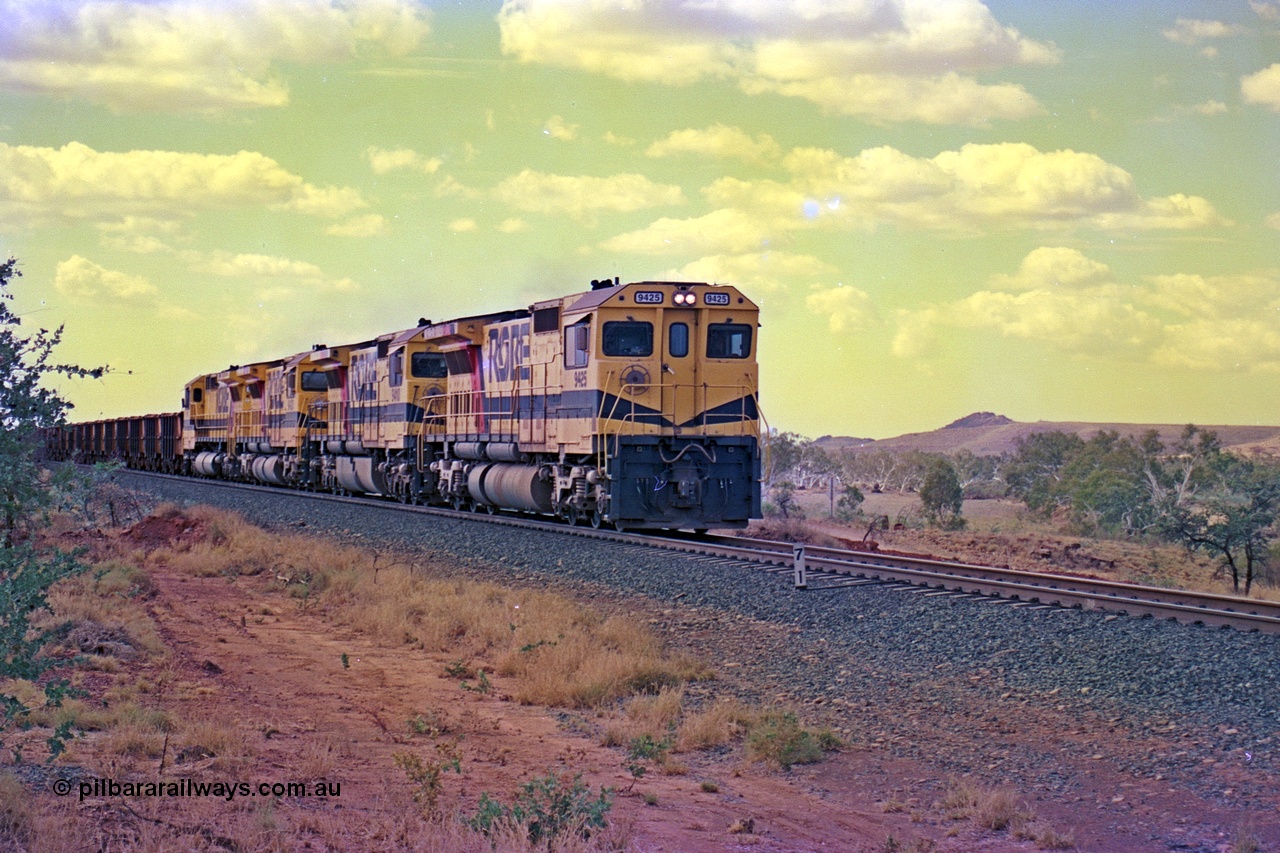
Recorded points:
828,568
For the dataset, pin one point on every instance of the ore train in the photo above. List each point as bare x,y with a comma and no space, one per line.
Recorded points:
629,405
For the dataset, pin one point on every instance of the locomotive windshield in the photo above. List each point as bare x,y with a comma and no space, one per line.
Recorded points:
728,340
314,380
628,338
429,365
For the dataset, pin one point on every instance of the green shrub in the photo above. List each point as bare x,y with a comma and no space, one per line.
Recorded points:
778,738
545,809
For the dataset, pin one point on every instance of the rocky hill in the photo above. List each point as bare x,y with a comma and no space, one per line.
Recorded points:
987,433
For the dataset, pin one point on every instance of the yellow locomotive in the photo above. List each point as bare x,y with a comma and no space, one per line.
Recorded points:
633,405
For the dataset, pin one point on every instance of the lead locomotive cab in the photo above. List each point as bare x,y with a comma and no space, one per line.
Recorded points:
670,371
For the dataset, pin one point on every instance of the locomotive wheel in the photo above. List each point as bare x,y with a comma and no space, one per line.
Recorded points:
573,516
597,520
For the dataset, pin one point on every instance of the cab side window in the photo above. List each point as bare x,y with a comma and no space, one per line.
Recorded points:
395,369
577,344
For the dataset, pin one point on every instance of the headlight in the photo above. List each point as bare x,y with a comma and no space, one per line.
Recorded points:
684,298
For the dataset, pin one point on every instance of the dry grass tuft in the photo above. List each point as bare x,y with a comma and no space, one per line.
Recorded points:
320,758
1244,840
716,725
220,743
106,611
16,809
961,799
652,715
998,809
131,740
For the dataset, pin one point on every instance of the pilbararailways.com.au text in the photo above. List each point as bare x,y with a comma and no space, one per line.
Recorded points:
192,788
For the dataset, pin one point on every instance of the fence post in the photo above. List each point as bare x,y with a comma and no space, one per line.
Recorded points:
801,576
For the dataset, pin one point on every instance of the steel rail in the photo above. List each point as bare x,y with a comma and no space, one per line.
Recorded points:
1067,591
1046,588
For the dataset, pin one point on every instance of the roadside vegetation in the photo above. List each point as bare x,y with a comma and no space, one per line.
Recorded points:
1218,508
27,493
535,647
502,643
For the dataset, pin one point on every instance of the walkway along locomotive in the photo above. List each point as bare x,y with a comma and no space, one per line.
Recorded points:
631,405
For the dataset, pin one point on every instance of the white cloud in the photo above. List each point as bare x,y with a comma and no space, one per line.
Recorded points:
725,231
1231,345
1273,221
1075,305
979,186
1266,11
557,128
142,235
76,182
1054,266
463,226
1191,31
514,225
449,186
718,140
944,99
188,56
853,58
845,308
1220,297
369,225
1093,322
261,266
278,278
581,196
81,278
383,160
759,271
1263,87
1210,108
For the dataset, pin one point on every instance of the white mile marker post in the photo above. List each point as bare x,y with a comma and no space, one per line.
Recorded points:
802,579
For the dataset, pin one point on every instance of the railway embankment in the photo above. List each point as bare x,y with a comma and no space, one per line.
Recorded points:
1161,733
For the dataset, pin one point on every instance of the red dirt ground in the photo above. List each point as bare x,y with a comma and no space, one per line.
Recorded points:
257,661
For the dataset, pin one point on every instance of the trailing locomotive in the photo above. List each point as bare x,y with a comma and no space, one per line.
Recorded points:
629,405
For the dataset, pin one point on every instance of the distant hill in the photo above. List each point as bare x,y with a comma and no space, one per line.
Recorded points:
986,433
979,419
